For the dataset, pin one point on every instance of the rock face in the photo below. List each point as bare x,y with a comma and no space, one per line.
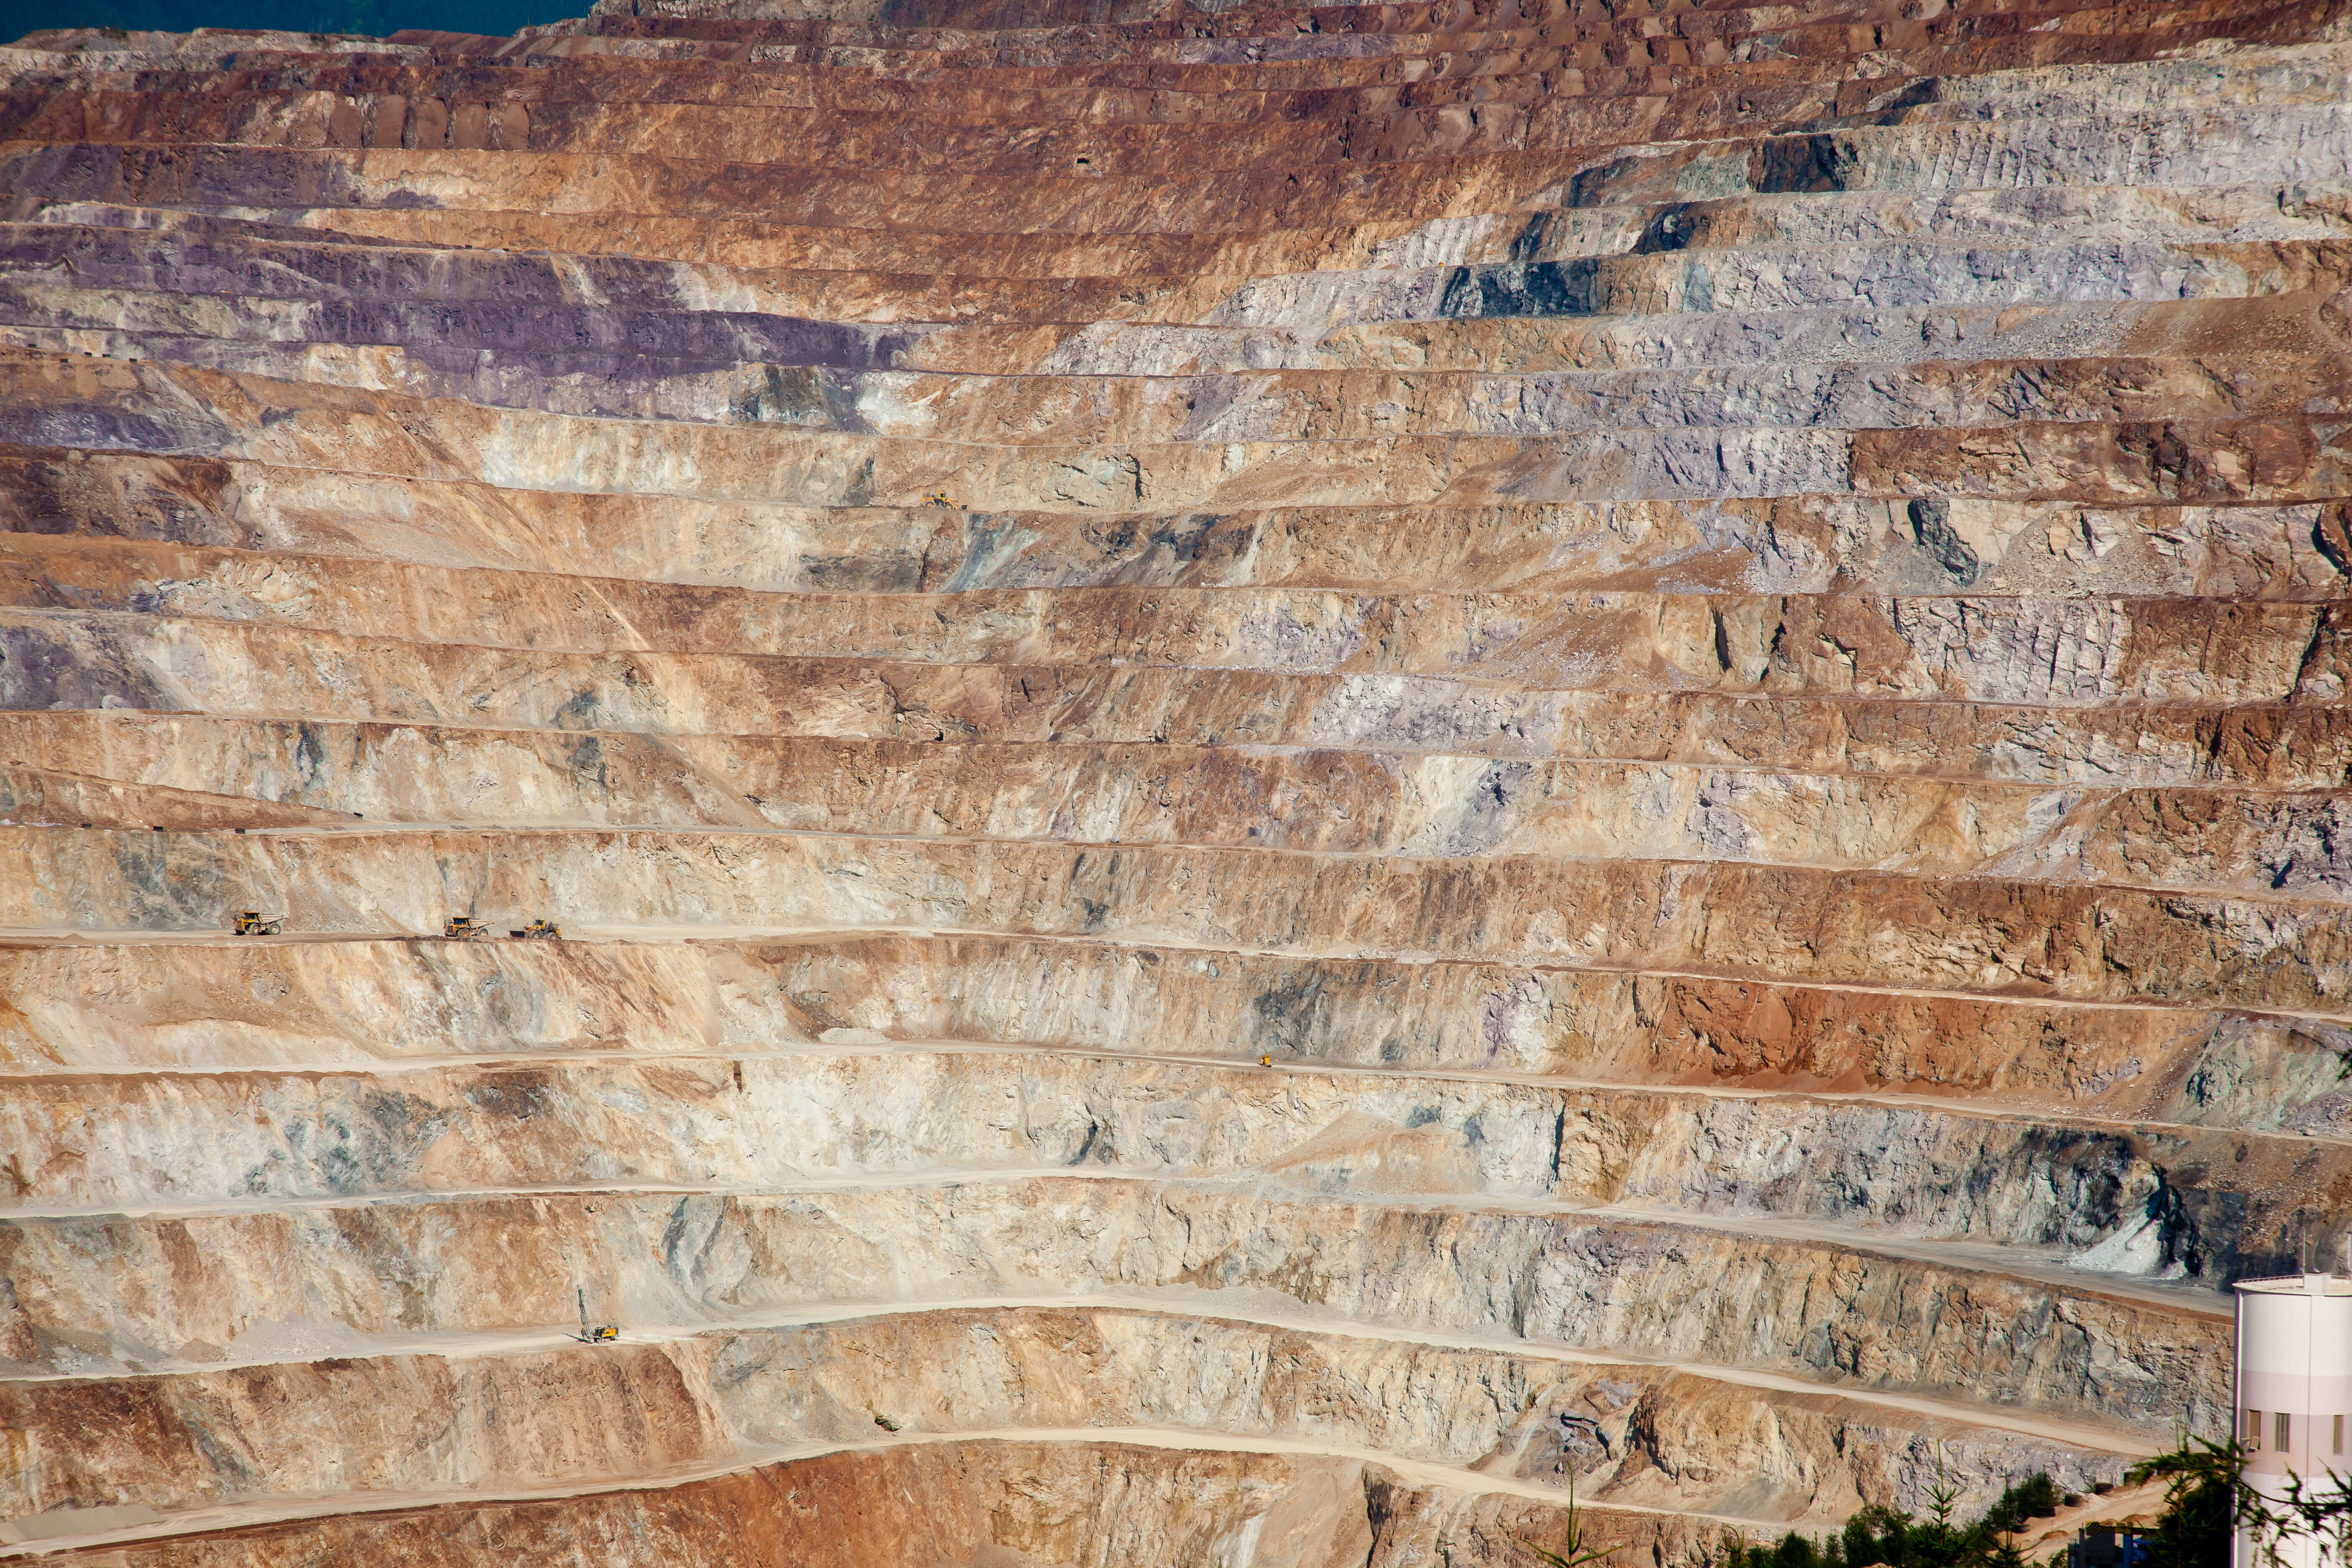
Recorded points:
1307,771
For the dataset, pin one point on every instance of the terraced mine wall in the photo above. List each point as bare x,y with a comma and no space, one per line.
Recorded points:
1308,771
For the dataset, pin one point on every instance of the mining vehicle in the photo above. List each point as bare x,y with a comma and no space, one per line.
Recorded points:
253,923
594,1334
458,928
538,931
941,498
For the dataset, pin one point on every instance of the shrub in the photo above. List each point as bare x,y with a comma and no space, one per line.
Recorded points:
2036,1497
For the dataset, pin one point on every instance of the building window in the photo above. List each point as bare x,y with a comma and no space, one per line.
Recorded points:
2279,1433
2254,1429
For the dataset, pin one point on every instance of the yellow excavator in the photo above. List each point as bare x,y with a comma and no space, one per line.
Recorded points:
253,923
941,498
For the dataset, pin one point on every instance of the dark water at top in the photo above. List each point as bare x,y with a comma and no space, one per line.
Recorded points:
373,16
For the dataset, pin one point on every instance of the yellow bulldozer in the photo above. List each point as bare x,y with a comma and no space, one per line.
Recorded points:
253,923
538,931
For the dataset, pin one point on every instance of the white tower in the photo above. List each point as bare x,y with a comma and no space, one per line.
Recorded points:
2295,1397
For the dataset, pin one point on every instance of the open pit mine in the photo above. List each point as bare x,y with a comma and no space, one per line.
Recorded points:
1297,773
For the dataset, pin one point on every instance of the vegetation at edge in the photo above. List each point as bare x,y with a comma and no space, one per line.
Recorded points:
1881,1535
2206,1498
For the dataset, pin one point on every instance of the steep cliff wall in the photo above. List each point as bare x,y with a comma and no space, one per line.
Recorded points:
1306,769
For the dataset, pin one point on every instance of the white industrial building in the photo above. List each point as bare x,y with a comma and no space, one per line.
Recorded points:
2295,1400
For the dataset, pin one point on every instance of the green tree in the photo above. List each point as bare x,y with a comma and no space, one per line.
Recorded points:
2004,1554
1875,1535
1575,1555
2323,1509
2036,1497
2205,1497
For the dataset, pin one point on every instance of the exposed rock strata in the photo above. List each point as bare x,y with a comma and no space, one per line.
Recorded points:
1721,632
